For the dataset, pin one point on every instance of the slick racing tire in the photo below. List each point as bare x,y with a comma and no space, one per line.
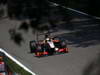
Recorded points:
32,46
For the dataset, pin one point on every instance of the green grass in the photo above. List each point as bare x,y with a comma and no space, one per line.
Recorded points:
16,68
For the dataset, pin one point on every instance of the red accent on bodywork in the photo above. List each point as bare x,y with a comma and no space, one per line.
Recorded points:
39,54
61,50
45,53
56,41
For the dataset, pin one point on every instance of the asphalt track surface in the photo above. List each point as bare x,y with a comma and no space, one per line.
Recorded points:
73,63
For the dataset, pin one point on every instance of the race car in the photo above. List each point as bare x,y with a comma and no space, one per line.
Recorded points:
48,47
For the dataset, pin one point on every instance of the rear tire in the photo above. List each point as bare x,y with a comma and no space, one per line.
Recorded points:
64,45
32,46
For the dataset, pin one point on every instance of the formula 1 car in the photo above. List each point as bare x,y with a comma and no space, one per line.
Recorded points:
41,48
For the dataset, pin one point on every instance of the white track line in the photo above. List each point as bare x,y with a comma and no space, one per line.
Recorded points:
55,4
16,61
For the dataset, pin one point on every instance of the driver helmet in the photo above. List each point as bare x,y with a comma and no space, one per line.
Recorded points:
47,39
